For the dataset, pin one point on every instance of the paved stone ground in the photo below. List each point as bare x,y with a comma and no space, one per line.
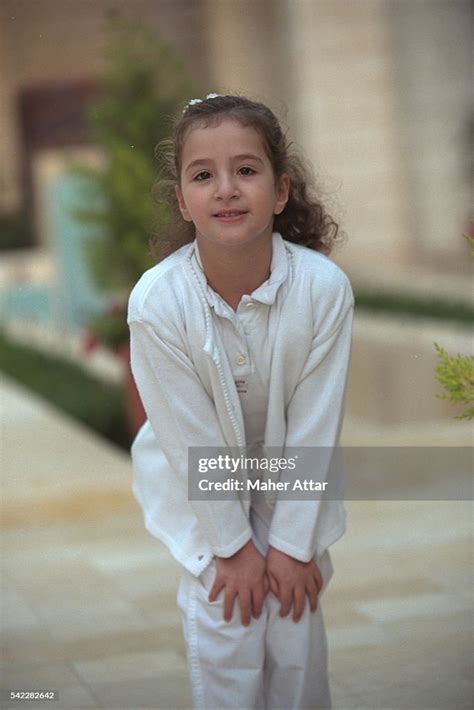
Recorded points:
89,596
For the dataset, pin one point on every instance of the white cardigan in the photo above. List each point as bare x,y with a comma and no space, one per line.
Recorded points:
188,391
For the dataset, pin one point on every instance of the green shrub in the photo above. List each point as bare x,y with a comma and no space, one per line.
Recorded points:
413,305
95,403
456,374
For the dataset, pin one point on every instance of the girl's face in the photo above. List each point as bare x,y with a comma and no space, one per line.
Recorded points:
227,186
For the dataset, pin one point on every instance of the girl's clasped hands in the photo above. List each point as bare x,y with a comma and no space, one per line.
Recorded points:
250,577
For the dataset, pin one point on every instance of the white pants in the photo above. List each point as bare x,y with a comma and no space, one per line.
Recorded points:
273,663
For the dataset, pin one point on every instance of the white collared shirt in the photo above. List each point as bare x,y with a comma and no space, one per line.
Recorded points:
248,335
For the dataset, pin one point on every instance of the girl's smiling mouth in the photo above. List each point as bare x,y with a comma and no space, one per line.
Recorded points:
230,215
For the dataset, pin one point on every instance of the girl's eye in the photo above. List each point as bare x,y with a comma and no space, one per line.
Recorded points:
246,170
204,175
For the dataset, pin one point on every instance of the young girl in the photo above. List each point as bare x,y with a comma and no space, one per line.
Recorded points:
241,338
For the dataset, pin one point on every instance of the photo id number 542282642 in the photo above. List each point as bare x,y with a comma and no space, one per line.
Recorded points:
35,695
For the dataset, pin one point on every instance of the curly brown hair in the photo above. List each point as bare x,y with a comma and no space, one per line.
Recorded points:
303,221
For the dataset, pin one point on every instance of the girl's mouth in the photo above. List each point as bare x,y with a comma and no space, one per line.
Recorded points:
230,215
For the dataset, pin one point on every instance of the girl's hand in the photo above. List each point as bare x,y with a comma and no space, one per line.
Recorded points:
291,581
243,576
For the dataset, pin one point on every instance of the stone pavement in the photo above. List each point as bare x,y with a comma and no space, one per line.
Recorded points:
89,596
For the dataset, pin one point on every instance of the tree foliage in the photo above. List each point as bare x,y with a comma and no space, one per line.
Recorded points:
144,84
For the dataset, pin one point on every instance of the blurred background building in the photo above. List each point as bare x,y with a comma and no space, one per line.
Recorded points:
375,92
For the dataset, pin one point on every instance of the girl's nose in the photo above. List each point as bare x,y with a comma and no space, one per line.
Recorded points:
226,188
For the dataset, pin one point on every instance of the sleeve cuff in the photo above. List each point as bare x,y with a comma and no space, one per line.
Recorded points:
296,551
232,547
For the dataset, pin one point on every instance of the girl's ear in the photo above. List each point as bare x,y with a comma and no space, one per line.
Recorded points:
181,204
282,193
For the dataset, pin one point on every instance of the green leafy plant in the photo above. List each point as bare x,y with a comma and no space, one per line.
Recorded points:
144,84
456,373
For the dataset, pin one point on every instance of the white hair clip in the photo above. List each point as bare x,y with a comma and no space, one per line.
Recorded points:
193,102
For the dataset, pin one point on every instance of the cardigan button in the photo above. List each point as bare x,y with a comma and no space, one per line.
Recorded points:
240,360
